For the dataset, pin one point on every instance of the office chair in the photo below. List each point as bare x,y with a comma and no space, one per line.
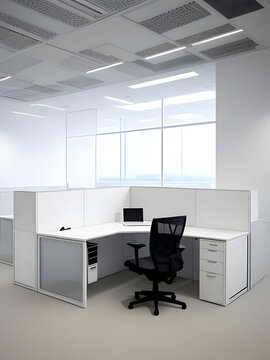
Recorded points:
164,261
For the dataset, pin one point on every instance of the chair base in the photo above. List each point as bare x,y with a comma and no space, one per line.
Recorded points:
156,296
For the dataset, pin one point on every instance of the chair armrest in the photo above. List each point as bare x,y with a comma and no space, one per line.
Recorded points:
136,246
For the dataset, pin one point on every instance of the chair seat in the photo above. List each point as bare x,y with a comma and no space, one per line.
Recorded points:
145,263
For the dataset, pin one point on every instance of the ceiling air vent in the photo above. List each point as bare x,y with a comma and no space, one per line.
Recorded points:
14,40
174,18
26,26
156,49
232,48
79,64
43,89
108,59
219,30
115,5
53,11
182,61
85,7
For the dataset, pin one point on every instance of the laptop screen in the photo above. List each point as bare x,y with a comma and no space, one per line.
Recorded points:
133,214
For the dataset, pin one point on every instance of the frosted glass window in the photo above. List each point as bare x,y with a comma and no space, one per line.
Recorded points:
172,155
82,123
198,144
81,161
143,157
108,159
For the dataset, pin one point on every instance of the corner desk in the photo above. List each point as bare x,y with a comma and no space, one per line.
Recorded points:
64,271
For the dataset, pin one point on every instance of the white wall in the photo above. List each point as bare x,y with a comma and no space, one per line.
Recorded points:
32,150
243,125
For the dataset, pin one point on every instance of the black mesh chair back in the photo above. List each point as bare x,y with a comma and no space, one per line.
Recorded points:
165,237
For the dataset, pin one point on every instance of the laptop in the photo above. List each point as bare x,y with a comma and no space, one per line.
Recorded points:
134,217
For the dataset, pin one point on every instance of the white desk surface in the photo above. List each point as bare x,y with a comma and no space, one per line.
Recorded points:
102,230
6,217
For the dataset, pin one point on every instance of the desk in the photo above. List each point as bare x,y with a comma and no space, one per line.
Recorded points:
63,267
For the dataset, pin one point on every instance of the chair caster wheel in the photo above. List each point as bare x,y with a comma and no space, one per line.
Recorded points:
156,312
173,297
130,306
137,296
184,306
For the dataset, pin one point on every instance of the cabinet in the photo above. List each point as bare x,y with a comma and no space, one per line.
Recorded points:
6,240
223,270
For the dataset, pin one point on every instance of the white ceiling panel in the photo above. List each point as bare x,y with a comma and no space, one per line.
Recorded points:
116,31
44,74
111,75
5,53
261,34
17,63
47,53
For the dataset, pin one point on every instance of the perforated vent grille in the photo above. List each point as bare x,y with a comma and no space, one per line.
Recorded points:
21,94
206,34
14,40
156,49
43,89
17,63
235,47
115,5
53,11
79,64
108,59
81,82
32,29
171,64
172,19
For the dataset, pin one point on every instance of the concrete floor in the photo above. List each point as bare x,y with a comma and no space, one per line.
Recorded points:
34,326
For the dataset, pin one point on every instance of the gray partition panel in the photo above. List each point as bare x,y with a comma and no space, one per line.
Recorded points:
6,241
61,267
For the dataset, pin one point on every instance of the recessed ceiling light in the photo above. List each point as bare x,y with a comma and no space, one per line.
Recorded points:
218,37
33,115
104,67
164,53
5,78
164,80
49,106
118,100
185,116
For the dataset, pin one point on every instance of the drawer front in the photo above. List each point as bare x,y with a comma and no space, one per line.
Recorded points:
212,266
92,273
212,245
211,287
213,255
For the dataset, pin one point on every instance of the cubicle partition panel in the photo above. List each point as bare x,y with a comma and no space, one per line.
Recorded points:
105,205
58,209
6,202
161,202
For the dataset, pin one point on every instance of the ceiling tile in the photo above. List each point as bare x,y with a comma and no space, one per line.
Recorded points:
14,40
17,63
115,5
233,8
5,53
156,49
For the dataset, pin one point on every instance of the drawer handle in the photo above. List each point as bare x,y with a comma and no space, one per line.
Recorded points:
213,244
211,275
213,262
212,250
93,267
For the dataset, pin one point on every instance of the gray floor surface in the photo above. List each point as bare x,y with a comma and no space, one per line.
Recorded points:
38,327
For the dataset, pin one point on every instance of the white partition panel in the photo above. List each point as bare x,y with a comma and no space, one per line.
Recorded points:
59,208
6,202
223,209
160,202
105,205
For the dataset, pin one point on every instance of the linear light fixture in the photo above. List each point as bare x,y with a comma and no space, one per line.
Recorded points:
217,37
164,53
112,120
5,78
104,67
164,80
147,120
33,115
49,106
185,116
117,100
